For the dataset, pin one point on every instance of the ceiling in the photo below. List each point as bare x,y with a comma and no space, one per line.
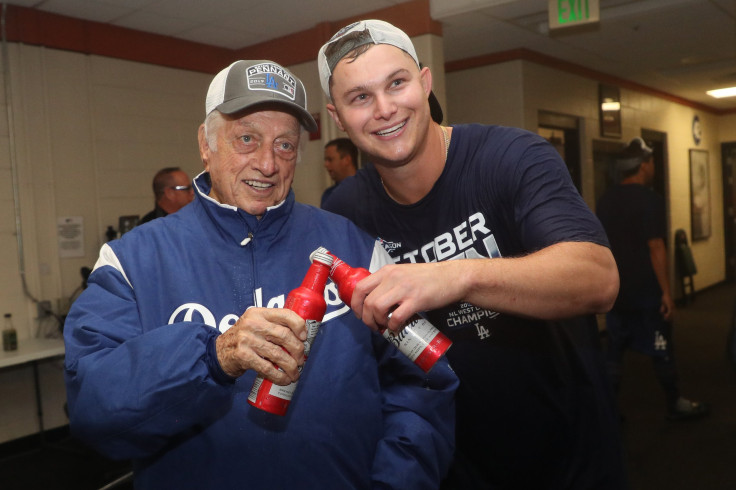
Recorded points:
681,47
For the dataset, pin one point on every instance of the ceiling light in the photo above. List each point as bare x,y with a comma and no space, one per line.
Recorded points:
607,105
722,92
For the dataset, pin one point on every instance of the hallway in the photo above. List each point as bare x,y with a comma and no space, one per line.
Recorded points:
692,455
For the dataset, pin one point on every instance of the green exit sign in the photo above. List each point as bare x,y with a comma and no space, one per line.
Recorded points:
569,13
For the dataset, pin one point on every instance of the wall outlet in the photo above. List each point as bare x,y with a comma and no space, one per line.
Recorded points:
44,309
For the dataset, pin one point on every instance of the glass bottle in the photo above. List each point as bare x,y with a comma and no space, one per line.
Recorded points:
308,301
10,336
419,340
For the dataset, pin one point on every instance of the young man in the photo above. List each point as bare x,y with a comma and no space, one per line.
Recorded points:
181,315
633,216
531,265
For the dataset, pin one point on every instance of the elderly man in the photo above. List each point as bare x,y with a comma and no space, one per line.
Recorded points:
181,315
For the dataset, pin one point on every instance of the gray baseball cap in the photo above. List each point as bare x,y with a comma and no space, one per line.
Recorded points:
245,84
635,153
379,32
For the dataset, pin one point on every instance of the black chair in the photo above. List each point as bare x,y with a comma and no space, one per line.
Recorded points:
685,267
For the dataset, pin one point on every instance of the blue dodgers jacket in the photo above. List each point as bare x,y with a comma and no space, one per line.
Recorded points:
144,383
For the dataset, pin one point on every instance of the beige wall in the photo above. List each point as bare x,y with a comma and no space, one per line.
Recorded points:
89,133
487,95
512,93
727,128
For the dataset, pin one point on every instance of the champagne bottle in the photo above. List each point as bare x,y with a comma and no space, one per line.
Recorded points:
308,301
419,340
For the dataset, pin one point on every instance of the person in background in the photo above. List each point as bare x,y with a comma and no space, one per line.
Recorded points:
633,216
496,246
172,190
341,161
180,316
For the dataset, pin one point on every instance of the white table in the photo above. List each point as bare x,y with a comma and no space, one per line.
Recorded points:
31,351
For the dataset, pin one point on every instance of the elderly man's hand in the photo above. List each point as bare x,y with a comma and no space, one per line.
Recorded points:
261,338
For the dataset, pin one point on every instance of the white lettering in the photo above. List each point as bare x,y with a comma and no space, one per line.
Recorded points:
277,302
456,244
460,235
425,249
227,322
444,246
479,226
411,256
194,312
331,295
189,309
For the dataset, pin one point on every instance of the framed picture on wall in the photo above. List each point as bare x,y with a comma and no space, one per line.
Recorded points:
609,103
699,195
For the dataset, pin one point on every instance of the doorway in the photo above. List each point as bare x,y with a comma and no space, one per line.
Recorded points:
605,153
728,157
562,132
657,141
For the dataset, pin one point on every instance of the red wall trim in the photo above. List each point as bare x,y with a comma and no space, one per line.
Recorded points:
35,27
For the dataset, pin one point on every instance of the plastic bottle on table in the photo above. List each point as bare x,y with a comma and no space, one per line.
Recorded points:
10,336
308,301
419,340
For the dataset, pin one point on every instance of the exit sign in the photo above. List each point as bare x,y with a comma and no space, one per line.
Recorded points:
570,13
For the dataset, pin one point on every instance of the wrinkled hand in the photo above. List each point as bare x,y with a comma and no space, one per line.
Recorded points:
261,338
403,290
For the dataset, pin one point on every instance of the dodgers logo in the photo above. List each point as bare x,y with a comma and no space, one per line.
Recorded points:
195,312
272,78
270,82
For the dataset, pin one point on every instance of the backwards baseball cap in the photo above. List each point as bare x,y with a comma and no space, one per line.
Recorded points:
377,32
245,84
635,153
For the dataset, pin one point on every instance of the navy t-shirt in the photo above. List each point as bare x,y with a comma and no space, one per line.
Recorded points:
633,214
535,408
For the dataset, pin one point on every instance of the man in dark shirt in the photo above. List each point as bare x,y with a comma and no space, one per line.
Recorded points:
172,190
641,319
341,161
494,243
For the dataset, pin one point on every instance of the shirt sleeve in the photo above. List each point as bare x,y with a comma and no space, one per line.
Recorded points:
548,209
167,380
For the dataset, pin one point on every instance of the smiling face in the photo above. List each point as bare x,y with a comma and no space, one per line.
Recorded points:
251,157
380,101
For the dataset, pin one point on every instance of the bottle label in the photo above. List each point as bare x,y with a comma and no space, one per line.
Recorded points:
275,398
414,338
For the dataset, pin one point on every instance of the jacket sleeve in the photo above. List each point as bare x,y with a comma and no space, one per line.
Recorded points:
131,389
419,422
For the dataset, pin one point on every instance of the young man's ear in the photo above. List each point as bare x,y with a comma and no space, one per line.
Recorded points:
426,77
335,116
